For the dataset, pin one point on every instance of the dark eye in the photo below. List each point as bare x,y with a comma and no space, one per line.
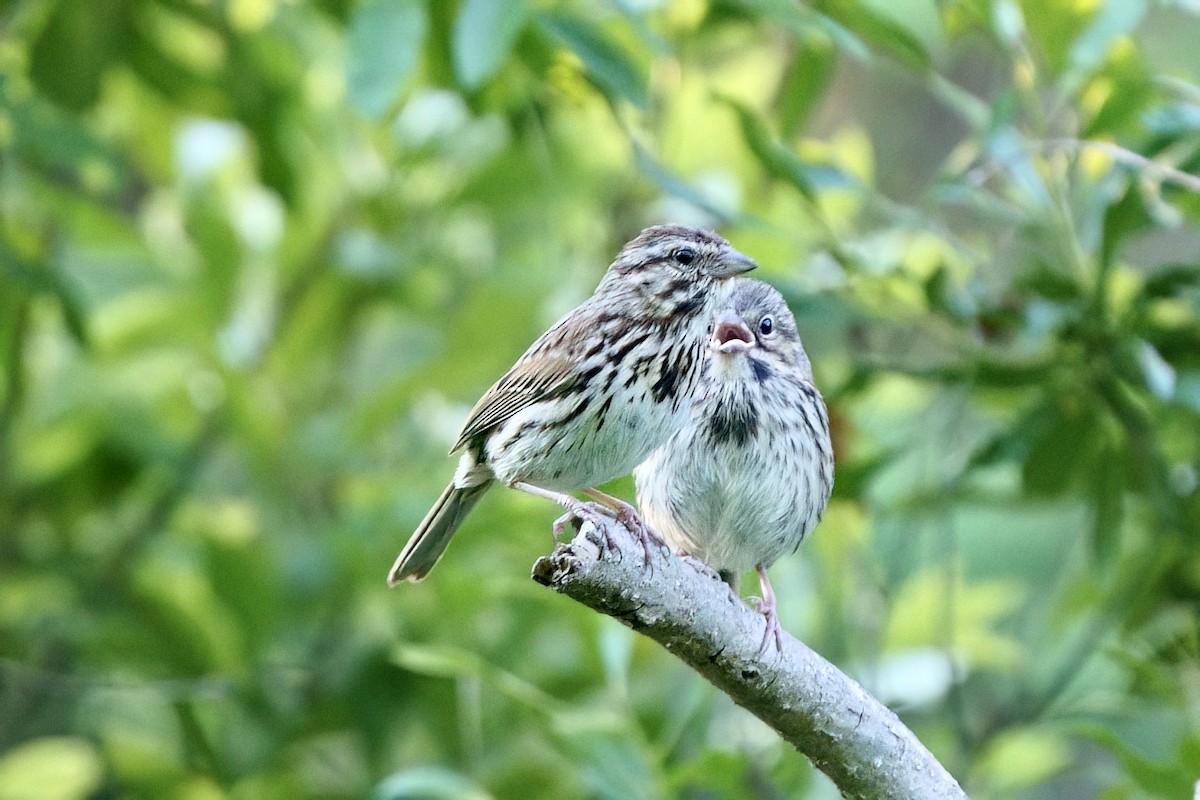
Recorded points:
766,325
685,255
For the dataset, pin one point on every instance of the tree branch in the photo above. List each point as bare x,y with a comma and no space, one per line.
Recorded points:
848,734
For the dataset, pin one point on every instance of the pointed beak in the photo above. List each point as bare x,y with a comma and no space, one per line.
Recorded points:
732,263
730,335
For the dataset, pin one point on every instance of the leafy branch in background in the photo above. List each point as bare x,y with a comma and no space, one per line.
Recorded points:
256,257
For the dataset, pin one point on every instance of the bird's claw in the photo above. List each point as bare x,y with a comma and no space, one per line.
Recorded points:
773,629
560,525
628,517
595,514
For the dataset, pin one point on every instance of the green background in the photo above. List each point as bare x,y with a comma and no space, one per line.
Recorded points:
258,258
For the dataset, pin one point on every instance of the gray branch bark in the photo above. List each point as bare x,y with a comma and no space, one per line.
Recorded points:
846,733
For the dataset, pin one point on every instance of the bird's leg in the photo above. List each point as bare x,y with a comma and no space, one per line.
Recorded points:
767,608
575,508
628,516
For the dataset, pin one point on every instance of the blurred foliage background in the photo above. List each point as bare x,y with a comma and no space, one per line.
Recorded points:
259,257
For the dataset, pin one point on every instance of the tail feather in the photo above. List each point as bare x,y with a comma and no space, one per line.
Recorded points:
433,534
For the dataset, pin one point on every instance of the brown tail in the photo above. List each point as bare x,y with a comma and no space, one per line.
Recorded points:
433,534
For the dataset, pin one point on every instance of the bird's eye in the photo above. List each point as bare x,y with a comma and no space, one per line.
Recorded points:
684,255
766,325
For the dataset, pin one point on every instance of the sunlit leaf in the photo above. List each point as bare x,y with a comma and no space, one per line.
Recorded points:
1112,20
1157,373
429,783
1008,21
608,65
384,48
970,625
1173,119
886,34
52,768
804,84
302,238
808,23
484,32
1024,757
781,162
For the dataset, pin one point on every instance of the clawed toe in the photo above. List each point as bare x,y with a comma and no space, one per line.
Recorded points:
773,630
642,531
766,607
595,515
628,516
561,524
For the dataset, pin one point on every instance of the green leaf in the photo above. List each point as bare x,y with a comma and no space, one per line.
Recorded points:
80,40
946,296
608,66
807,23
806,80
51,768
41,276
385,41
1173,120
1051,283
887,34
1021,757
676,186
1169,280
1108,502
1155,770
780,161
1061,449
919,20
1112,20
1123,218
1157,374
429,783
484,32
1008,22
53,140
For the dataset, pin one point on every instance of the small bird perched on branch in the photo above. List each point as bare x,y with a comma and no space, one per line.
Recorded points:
596,393
749,474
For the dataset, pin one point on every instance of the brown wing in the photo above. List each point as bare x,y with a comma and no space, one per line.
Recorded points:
531,379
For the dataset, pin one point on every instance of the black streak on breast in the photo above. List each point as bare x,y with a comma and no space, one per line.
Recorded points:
668,380
733,423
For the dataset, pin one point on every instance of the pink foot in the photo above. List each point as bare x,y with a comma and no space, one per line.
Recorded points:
628,516
766,607
576,508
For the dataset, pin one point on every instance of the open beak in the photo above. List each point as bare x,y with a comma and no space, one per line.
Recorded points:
731,335
732,263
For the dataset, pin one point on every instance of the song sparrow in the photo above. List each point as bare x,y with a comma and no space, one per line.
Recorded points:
596,393
749,474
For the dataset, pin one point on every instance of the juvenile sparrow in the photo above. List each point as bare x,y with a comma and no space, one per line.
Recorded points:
749,474
596,393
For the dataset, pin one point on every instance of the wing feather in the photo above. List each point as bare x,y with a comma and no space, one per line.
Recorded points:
548,369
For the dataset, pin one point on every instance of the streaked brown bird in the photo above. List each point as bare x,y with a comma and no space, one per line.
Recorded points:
749,474
596,393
